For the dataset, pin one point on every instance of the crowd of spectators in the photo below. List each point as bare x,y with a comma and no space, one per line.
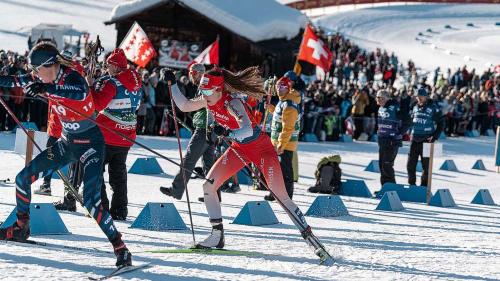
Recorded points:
342,103
345,100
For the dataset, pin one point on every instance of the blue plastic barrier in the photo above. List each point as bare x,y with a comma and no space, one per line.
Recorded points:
442,198
44,220
479,165
310,138
345,138
327,206
472,134
146,166
449,165
390,202
244,177
420,167
373,167
409,193
256,213
28,126
483,197
159,216
355,188
184,133
490,133
442,136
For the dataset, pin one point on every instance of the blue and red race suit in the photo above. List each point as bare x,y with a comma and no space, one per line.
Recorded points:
81,140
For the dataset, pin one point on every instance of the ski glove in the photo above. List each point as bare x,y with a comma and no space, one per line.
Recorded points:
167,75
35,88
221,131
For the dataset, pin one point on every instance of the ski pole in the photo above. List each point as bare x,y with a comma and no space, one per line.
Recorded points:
7,180
182,161
125,137
71,189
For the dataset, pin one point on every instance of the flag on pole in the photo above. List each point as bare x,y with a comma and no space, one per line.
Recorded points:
314,50
210,55
137,46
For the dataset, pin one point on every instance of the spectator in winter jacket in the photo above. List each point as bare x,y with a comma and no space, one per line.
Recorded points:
117,98
359,102
426,127
391,126
285,129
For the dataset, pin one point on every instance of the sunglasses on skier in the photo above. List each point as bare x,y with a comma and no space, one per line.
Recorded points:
208,92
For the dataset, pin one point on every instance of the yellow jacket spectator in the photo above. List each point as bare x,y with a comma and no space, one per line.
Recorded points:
285,125
285,129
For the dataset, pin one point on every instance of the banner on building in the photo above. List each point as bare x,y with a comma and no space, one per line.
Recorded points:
177,54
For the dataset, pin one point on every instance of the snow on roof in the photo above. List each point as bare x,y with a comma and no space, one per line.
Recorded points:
256,20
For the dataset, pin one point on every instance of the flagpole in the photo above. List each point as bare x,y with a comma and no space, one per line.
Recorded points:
297,68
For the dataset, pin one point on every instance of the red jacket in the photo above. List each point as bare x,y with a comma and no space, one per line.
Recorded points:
116,101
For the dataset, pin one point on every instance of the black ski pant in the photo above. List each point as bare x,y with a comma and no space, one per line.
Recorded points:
286,159
416,151
387,152
197,147
115,157
86,147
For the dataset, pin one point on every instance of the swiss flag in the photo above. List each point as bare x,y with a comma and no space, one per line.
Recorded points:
137,46
313,50
210,55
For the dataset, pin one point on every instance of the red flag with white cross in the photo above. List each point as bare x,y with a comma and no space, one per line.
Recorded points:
314,50
137,46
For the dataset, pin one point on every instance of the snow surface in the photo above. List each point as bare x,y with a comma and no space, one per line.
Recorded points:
418,32
19,16
419,243
256,20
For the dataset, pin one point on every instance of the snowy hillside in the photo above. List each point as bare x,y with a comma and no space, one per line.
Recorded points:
420,33
419,243
18,16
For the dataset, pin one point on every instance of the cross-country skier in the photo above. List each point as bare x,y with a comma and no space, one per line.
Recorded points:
221,95
200,144
81,140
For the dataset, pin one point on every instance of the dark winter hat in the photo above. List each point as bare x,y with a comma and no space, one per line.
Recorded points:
291,75
43,54
422,92
117,58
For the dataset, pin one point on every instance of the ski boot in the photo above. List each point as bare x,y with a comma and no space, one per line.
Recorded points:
324,257
123,255
269,197
198,172
44,190
120,214
66,205
19,231
216,237
169,191
225,187
234,188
